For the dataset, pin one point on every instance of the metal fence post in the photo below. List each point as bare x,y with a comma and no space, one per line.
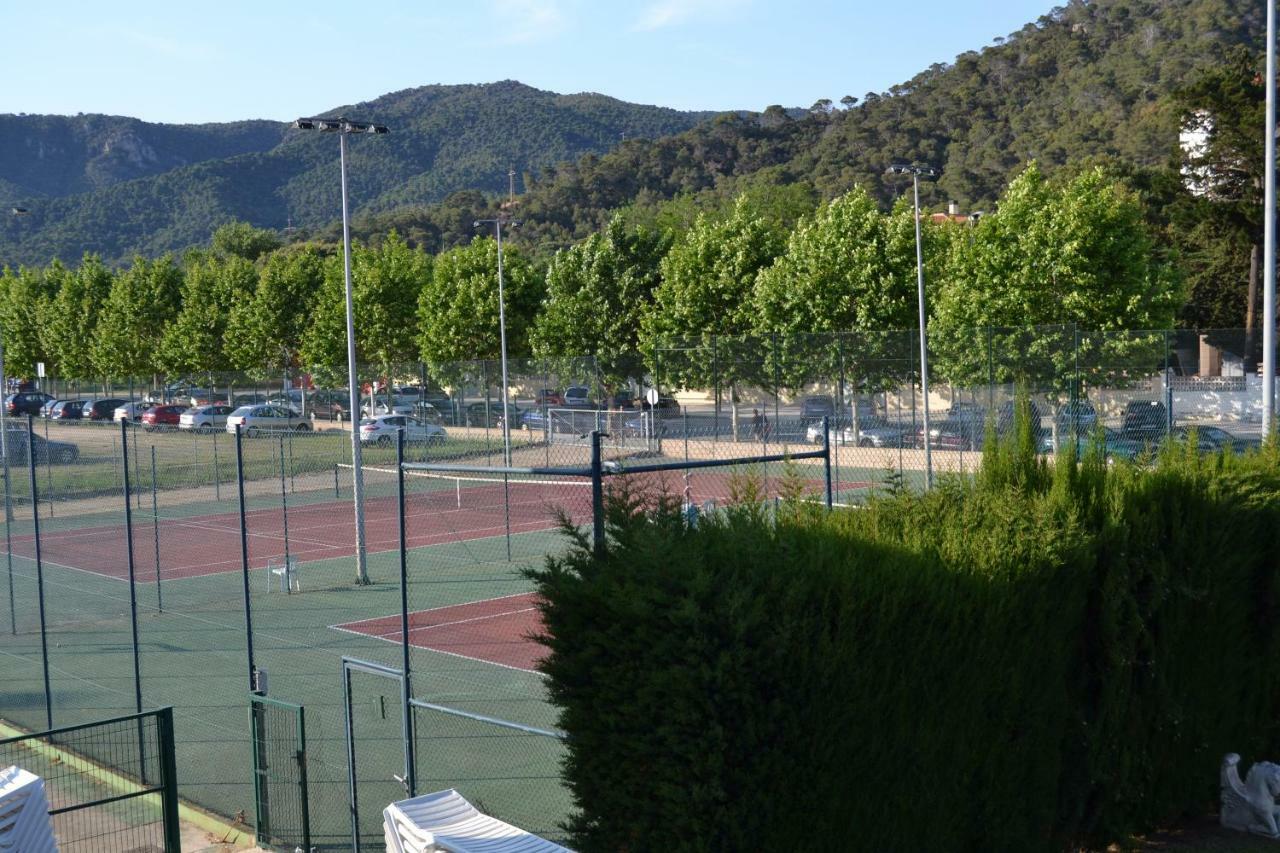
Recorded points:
410,769
826,459
155,528
133,586
169,771
284,517
35,522
244,562
597,494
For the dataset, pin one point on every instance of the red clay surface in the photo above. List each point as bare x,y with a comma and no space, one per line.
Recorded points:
209,544
496,630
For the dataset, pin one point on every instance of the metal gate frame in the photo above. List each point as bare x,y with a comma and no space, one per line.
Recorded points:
264,831
350,665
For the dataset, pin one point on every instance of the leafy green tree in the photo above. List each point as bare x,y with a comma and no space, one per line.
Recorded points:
242,240
597,293
1076,253
143,301
211,287
458,307
265,331
22,316
73,318
704,306
847,268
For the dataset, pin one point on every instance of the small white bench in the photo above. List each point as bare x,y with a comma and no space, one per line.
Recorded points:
287,571
446,821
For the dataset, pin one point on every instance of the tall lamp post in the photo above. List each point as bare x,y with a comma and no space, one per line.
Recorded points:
1269,237
917,171
344,126
502,334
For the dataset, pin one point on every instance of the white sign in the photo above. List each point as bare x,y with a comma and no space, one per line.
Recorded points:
651,395
40,370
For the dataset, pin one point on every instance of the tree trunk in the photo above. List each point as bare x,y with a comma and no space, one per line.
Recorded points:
1250,317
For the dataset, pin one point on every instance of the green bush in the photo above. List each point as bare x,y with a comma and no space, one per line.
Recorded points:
1035,659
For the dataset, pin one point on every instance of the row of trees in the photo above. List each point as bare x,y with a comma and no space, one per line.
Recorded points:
1074,250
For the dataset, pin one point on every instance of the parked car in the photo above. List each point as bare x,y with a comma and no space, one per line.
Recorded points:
26,402
872,432
130,411
382,430
533,420
163,417
1079,416
428,413
255,420
332,405
548,397
47,408
250,399
55,452
488,413
1007,416
205,418
667,406
67,410
101,410
1145,420
578,397
813,408
383,407
1114,444
962,433
1221,439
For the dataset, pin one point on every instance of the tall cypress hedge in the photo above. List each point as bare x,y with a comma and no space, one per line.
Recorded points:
1031,660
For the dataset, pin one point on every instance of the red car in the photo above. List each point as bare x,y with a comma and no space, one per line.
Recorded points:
161,417
549,397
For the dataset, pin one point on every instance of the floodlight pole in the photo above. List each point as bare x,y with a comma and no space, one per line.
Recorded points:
343,126
916,170
502,335
1269,237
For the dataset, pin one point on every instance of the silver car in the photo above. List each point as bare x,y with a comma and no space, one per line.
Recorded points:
255,420
382,430
205,418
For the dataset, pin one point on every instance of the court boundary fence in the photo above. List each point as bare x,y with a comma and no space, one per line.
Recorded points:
111,754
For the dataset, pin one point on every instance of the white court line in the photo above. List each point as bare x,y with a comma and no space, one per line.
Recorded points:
442,652
441,607
396,629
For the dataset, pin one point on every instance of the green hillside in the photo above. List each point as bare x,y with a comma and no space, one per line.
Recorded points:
444,138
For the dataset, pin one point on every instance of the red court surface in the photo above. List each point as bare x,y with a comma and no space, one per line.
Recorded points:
209,544
496,630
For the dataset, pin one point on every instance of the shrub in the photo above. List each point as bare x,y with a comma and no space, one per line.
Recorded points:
1034,659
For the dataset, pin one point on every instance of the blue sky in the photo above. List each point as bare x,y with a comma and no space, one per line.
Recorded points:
179,61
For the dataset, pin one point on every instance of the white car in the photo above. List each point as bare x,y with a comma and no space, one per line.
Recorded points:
381,408
130,411
205,418
577,397
255,420
382,430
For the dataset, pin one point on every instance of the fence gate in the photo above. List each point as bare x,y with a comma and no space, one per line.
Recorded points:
380,764
279,738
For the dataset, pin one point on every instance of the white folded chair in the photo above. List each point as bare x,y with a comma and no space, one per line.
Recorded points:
445,821
24,814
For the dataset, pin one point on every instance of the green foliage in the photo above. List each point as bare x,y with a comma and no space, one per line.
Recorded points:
598,291
1041,659
458,305
22,316
242,240
265,331
144,299
211,288
67,333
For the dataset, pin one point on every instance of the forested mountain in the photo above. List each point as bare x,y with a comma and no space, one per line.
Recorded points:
72,174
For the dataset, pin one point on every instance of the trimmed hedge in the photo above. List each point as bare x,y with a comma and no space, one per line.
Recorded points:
1038,659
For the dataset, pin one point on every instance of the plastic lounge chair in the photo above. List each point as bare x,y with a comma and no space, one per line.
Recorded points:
287,571
446,821
24,814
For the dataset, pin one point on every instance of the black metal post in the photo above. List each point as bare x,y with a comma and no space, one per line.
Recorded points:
335,481
217,473
244,562
410,770
597,494
133,587
826,450
1168,389
35,521
169,769
155,528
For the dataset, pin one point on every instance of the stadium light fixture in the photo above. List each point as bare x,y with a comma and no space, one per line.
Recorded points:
497,223
344,126
918,171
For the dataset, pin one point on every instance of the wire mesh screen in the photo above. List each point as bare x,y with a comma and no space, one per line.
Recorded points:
107,782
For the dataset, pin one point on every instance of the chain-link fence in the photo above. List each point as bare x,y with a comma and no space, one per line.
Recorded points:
163,531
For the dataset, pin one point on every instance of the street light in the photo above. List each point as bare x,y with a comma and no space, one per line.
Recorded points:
344,126
502,333
917,171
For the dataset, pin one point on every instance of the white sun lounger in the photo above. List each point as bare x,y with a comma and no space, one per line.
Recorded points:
24,814
445,821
